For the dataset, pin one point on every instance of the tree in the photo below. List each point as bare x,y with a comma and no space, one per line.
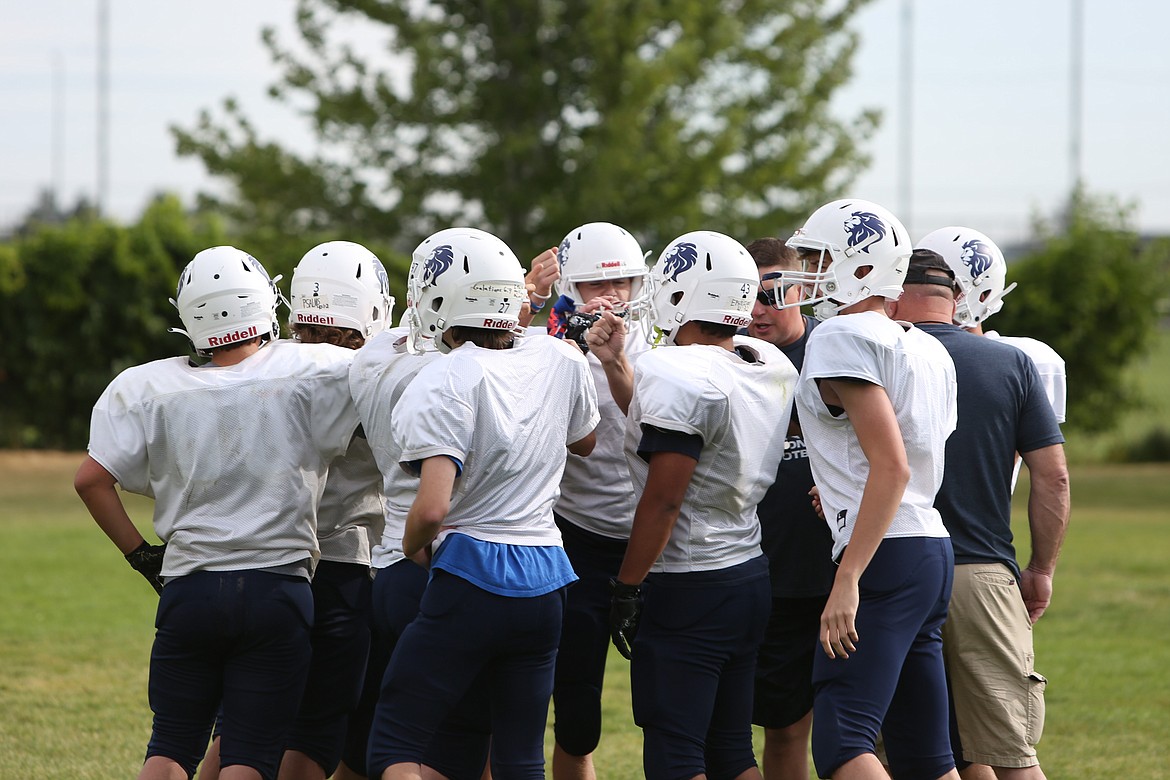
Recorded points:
528,118
1093,292
81,301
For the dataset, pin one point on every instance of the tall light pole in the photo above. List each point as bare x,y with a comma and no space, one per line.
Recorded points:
58,133
1076,93
103,106
906,122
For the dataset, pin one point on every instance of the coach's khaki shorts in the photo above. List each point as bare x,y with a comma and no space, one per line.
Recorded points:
987,648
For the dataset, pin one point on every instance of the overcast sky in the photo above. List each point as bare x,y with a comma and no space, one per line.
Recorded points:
991,97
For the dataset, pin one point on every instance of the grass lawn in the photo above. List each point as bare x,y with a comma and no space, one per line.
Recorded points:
76,628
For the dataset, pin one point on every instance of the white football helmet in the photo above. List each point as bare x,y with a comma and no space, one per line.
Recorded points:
224,296
980,271
342,284
704,276
852,234
462,276
597,251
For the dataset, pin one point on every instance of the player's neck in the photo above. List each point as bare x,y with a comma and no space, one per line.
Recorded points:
691,333
235,355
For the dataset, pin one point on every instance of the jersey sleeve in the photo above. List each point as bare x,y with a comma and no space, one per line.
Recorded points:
433,417
835,351
584,415
674,399
117,437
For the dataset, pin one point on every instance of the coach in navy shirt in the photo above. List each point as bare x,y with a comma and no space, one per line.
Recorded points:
798,545
987,639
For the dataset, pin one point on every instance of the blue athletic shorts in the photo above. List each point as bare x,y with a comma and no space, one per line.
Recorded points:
236,637
341,644
693,670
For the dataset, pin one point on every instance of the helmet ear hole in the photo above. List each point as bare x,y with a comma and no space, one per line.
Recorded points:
862,271
677,297
436,303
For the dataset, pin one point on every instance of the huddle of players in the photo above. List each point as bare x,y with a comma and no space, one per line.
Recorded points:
651,464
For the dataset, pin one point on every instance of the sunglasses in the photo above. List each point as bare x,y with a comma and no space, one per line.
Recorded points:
767,294
767,297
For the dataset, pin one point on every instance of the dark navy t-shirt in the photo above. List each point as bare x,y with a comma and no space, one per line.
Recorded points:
798,544
1002,410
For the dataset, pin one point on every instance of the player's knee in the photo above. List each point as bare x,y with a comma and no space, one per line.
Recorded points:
577,725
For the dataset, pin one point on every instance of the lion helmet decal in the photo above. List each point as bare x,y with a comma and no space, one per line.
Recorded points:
864,228
437,262
977,257
683,258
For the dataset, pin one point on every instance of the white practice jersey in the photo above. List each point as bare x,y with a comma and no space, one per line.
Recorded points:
918,375
1049,365
494,412
350,512
596,492
381,371
235,457
740,409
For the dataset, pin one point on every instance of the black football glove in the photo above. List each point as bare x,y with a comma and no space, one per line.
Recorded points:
625,611
147,560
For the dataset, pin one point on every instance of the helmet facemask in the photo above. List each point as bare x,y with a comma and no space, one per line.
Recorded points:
599,251
851,250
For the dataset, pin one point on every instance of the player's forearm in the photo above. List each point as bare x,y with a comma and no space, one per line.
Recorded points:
619,374
97,489
419,534
648,538
879,502
431,503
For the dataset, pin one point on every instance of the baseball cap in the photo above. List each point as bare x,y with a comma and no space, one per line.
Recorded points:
928,267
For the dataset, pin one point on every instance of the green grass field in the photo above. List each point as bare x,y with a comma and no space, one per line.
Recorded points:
76,628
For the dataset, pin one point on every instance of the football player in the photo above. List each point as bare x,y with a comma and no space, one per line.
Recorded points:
876,401
489,453
234,453
602,269
704,436
981,273
380,374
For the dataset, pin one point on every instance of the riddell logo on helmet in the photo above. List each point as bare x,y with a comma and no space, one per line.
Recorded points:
739,322
314,319
499,324
612,264
233,337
